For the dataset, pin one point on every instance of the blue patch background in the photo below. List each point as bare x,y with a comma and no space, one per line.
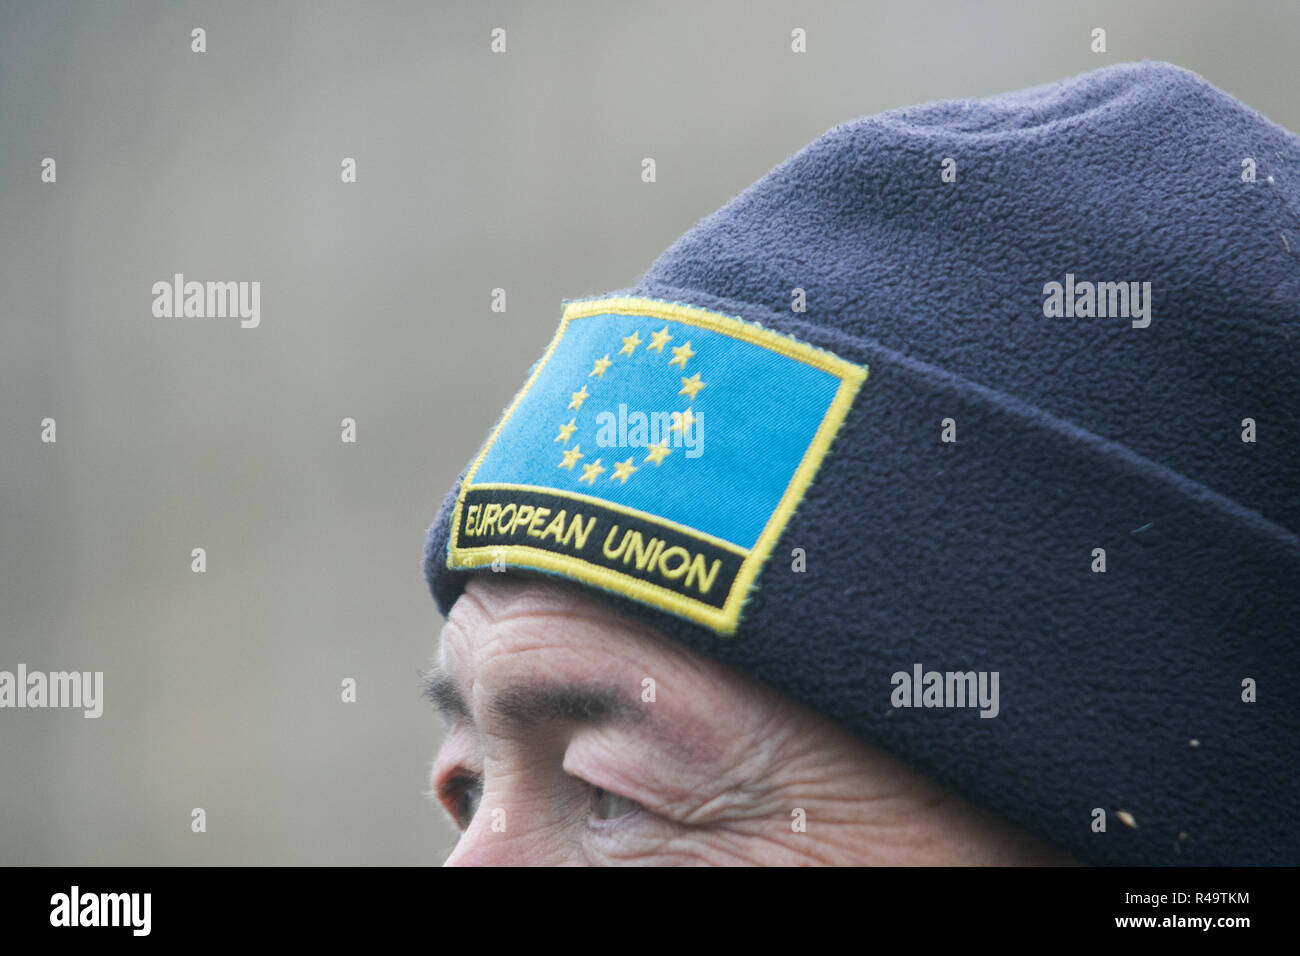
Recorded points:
759,411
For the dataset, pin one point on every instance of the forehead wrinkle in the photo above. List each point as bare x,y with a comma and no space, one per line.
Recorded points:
588,612
556,598
527,700
486,630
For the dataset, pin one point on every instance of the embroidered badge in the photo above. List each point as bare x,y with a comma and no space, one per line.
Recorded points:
656,450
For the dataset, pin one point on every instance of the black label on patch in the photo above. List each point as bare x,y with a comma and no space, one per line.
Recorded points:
510,524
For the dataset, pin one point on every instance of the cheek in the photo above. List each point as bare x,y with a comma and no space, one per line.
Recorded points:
654,841
658,834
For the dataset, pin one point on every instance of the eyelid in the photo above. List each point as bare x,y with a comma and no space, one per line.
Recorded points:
454,768
630,812
448,787
451,786
592,774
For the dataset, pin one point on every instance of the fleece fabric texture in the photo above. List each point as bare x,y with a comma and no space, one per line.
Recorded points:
1119,691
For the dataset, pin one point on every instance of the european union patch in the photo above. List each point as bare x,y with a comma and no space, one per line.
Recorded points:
656,450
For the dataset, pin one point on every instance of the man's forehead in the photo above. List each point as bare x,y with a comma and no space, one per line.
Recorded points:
501,624
525,648
524,656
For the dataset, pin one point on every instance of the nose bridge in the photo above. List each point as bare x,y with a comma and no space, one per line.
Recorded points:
518,844
509,829
481,846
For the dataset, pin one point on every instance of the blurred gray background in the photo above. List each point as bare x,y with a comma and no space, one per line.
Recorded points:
476,171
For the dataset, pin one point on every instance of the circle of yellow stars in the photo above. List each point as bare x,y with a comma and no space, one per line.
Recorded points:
655,454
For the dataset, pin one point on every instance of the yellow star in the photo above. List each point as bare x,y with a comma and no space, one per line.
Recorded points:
658,340
629,344
601,365
692,385
566,431
589,472
657,453
623,470
578,398
682,421
571,458
682,354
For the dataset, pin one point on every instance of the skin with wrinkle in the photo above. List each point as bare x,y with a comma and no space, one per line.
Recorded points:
541,688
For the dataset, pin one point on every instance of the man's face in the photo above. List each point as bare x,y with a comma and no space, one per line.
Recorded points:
576,736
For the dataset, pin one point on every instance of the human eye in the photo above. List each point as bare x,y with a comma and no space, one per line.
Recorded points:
607,806
460,795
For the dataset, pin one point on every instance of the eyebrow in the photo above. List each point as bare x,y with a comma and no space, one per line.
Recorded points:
530,704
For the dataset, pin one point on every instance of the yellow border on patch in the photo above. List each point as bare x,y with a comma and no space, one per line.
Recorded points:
725,620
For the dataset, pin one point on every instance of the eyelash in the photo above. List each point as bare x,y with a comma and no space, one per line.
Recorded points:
458,785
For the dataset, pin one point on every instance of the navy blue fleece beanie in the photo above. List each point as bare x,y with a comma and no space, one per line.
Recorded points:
992,387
